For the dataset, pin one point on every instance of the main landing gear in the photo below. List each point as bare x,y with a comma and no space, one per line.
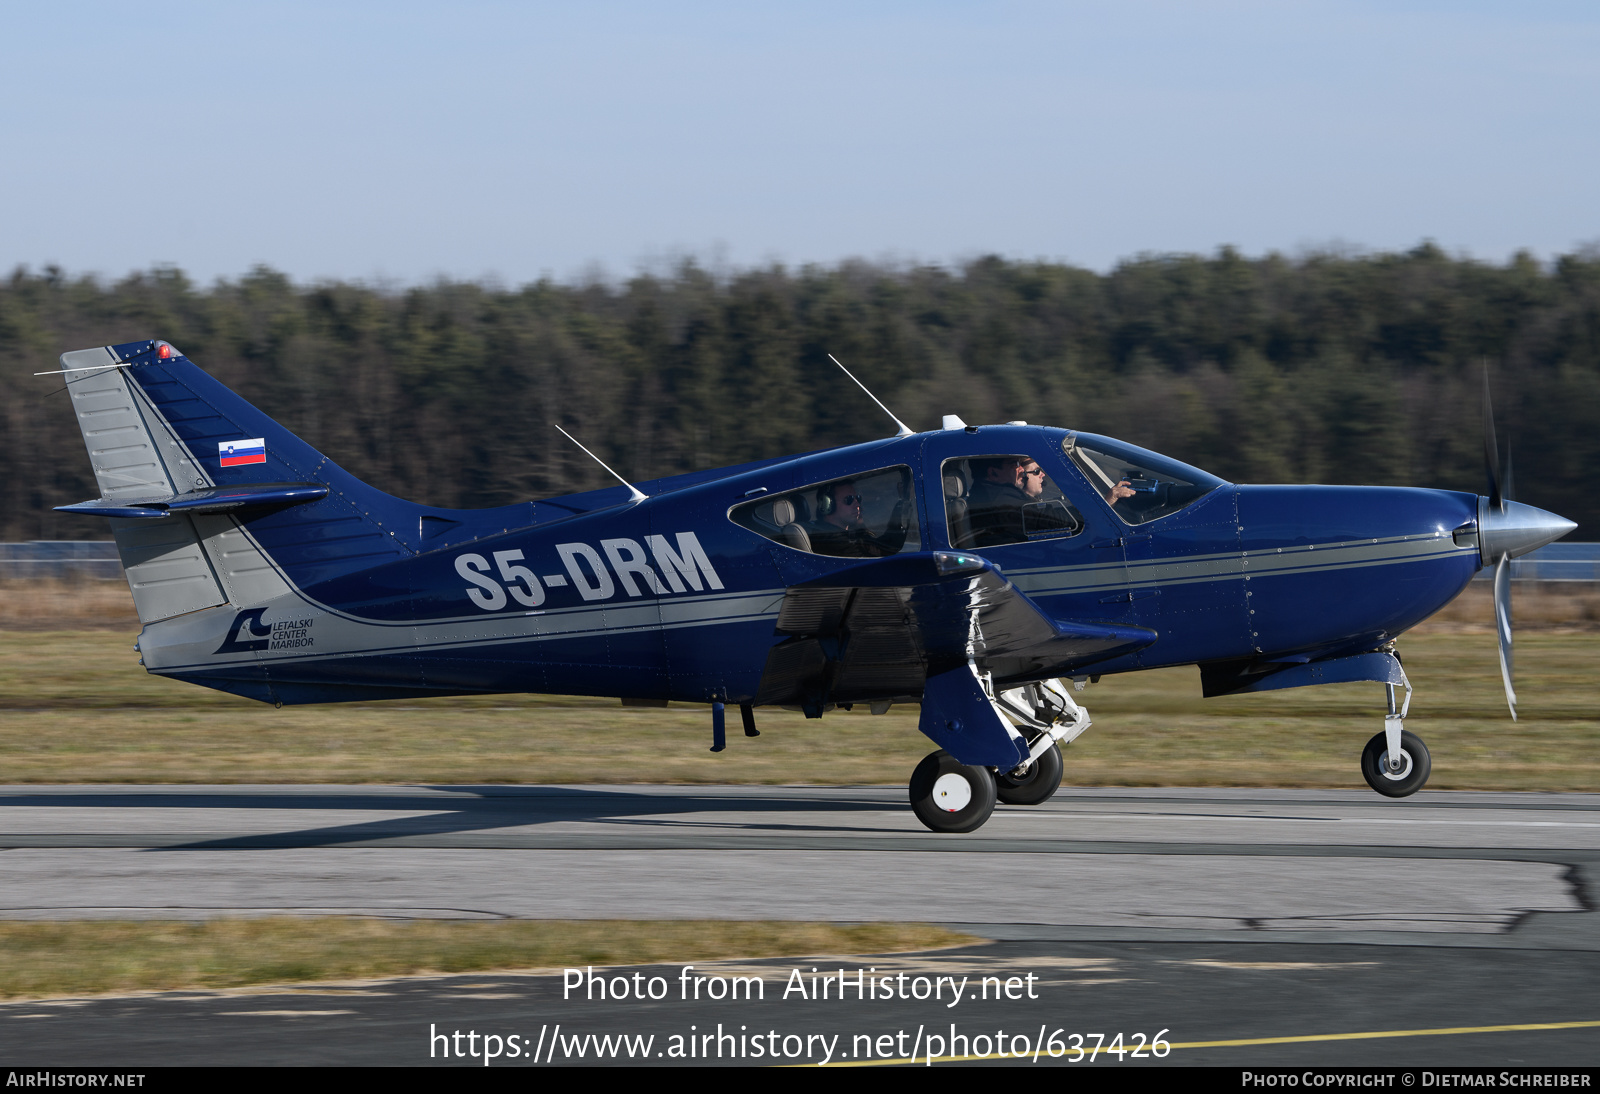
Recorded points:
1396,763
950,796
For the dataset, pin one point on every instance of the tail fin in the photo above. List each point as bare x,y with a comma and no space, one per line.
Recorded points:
212,501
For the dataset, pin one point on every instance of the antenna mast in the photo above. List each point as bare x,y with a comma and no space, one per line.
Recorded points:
636,494
905,430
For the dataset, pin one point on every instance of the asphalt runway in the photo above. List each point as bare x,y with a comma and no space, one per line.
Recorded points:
1216,914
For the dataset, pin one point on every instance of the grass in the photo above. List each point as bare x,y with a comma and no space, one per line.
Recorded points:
76,707
98,957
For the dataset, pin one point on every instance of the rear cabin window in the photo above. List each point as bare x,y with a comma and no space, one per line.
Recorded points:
994,500
869,515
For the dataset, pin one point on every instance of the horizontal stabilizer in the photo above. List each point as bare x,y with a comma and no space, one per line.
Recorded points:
219,499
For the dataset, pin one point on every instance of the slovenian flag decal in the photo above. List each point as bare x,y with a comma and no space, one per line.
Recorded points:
239,453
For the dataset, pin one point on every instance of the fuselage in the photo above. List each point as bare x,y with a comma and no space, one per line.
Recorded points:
670,598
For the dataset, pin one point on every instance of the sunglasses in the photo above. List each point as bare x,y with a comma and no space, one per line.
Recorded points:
1035,471
849,499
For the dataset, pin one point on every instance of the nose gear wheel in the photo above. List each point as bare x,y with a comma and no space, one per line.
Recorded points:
1415,765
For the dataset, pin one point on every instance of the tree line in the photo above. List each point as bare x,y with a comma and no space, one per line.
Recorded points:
1335,368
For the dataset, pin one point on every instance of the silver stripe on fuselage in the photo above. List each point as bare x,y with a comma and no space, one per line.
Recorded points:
1300,559
723,608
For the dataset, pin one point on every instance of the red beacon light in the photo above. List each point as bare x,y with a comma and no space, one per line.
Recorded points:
164,351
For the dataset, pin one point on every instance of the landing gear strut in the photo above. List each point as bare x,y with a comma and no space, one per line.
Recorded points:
1396,763
1051,714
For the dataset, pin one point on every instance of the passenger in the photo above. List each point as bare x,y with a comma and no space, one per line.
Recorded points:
842,531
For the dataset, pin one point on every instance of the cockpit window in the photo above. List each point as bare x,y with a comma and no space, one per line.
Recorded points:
994,500
1139,485
869,515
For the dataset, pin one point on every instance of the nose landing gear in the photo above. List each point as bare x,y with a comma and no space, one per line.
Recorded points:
1396,763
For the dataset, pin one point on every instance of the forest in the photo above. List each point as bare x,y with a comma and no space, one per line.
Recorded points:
1319,367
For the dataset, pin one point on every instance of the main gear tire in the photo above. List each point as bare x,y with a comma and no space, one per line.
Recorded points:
1038,784
950,796
1415,767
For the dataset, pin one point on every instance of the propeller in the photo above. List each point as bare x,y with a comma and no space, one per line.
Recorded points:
1506,529
1499,494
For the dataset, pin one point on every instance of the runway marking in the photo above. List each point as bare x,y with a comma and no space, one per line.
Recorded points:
1443,1032
1278,966
1187,817
281,1013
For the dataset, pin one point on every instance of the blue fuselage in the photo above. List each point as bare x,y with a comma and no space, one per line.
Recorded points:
668,598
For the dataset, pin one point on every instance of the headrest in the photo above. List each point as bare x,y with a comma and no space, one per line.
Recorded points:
783,511
952,486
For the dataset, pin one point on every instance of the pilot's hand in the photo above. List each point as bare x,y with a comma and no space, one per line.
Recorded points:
1121,490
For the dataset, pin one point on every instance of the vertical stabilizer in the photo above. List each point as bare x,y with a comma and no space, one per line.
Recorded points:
135,456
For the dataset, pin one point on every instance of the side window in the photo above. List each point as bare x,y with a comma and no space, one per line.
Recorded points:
993,500
860,516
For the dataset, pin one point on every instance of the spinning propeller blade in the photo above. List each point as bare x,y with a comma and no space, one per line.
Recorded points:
1499,494
1491,447
1507,529
1502,621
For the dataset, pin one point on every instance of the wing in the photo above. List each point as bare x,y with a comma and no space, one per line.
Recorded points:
880,629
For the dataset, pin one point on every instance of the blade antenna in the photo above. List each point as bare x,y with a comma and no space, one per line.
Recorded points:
905,430
636,495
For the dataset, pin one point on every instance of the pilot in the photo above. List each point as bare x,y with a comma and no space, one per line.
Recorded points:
1032,480
1001,486
842,529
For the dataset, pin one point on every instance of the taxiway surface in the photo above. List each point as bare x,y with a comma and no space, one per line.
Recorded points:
1219,914
1495,866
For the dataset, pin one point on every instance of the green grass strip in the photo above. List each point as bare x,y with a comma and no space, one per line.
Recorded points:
88,957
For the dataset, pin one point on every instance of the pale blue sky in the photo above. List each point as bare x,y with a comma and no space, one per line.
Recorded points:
405,141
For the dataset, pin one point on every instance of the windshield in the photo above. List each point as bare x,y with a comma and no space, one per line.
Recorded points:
1138,484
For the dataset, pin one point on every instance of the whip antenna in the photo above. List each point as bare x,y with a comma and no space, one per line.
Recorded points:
636,494
905,430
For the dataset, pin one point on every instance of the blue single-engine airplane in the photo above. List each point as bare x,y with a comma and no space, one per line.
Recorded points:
985,572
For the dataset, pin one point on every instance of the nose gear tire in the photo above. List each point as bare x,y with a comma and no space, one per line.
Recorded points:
1040,783
931,793
1412,774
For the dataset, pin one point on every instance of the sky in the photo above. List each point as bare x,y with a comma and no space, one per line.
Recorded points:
403,142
